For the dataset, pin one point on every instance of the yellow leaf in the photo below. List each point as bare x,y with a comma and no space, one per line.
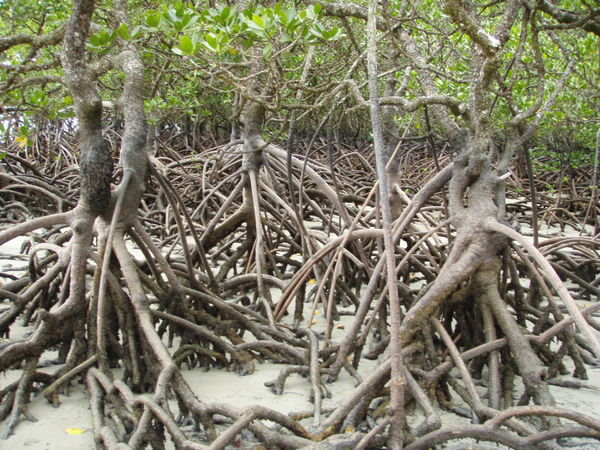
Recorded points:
74,431
317,312
22,141
311,281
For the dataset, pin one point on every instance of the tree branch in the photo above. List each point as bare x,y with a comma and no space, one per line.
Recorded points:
36,42
588,22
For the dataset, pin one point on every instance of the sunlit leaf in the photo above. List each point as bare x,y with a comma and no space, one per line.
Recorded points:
186,44
210,41
259,21
22,141
153,20
123,32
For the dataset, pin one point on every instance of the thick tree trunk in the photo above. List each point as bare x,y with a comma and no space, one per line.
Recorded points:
95,160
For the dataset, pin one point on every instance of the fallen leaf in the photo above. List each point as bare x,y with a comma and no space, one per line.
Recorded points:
74,431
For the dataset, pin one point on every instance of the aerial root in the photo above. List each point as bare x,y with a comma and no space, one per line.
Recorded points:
207,320
139,416
20,399
51,392
490,430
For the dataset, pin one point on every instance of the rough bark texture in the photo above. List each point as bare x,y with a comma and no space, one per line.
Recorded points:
95,159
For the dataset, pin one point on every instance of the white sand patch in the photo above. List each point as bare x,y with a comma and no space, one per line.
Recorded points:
56,428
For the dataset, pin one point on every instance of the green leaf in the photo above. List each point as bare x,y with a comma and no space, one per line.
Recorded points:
101,39
291,15
123,32
187,45
225,15
153,20
179,25
39,98
96,40
278,10
267,50
247,43
189,20
171,16
312,11
333,34
316,31
136,32
211,42
259,21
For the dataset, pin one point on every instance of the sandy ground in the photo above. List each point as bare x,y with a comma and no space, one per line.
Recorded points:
69,426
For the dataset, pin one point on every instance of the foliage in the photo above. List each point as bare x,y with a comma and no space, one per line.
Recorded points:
197,56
